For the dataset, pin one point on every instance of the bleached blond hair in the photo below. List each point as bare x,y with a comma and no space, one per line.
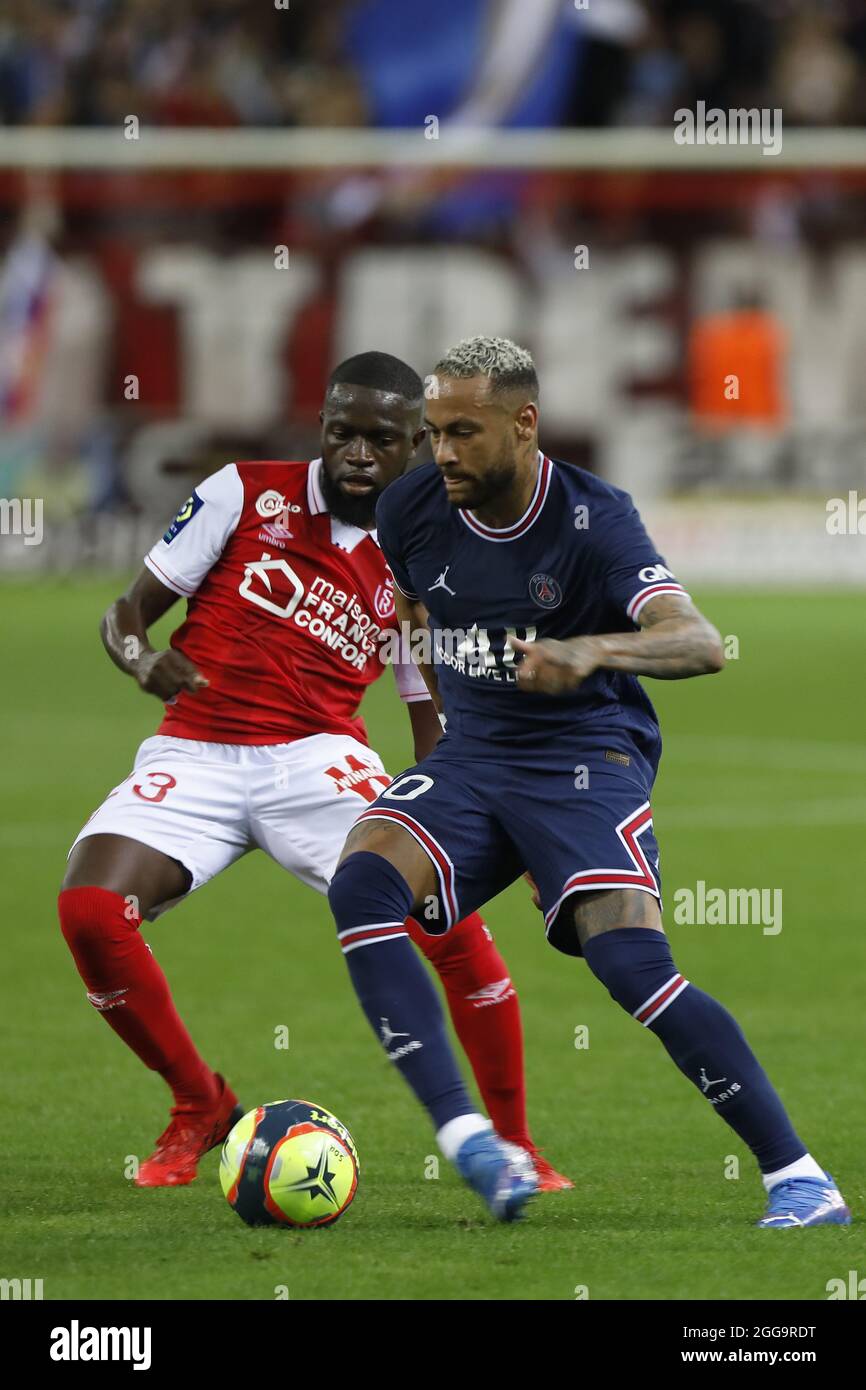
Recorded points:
508,366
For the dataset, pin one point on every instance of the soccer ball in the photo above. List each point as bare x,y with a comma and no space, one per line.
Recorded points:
289,1163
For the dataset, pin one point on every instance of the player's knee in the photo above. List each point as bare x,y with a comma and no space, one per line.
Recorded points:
88,913
633,964
368,889
340,888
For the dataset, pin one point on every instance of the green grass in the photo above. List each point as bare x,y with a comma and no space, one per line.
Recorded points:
762,784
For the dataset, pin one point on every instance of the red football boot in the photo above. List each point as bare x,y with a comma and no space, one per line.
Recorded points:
190,1135
548,1178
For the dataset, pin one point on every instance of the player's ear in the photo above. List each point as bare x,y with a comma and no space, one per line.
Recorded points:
321,417
526,420
417,440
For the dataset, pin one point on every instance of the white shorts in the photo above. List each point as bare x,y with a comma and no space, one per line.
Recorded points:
207,804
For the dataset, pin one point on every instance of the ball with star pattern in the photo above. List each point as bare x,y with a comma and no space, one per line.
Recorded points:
289,1163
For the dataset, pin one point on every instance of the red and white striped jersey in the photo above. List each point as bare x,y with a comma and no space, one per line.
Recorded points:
286,609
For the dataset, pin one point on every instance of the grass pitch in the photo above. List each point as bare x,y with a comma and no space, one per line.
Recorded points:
763,784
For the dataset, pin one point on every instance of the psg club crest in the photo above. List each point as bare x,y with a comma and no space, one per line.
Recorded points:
384,600
544,590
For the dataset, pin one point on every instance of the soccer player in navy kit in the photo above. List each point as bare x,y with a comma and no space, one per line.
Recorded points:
545,600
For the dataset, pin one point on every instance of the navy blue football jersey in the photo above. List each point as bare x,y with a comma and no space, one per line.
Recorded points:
579,561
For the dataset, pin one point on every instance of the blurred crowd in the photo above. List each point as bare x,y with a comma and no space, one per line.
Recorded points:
391,63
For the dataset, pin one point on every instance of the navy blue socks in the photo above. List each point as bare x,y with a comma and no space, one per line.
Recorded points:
707,1044
370,901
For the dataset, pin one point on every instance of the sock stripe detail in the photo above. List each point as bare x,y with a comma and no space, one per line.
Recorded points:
370,926
656,1004
390,935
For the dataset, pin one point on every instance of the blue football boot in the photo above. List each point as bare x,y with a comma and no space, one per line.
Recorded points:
502,1174
806,1202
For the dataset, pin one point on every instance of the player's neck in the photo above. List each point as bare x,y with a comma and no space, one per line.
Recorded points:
510,506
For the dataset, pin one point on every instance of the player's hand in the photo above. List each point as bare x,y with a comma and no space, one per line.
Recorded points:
552,668
165,674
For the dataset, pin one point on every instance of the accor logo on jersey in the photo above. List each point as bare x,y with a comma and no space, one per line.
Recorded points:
330,615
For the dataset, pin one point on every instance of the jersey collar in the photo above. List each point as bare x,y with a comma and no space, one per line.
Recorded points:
315,496
500,534
342,535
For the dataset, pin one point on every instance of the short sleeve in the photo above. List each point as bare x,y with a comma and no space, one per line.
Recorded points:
632,570
198,534
388,536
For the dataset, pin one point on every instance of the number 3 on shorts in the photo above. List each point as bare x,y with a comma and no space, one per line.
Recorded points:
408,787
161,787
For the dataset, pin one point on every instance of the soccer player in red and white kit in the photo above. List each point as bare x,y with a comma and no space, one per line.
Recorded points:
288,598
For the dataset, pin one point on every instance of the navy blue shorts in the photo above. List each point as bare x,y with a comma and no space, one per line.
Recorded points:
575,815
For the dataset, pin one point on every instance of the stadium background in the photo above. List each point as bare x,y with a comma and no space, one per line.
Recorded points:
171,301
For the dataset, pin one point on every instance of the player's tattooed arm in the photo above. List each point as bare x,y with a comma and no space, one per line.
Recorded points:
124,631
675,641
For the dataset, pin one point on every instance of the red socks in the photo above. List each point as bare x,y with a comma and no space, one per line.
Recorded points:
131,992
127,986
485,1012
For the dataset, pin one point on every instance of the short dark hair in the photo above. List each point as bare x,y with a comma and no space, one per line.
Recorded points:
381,372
